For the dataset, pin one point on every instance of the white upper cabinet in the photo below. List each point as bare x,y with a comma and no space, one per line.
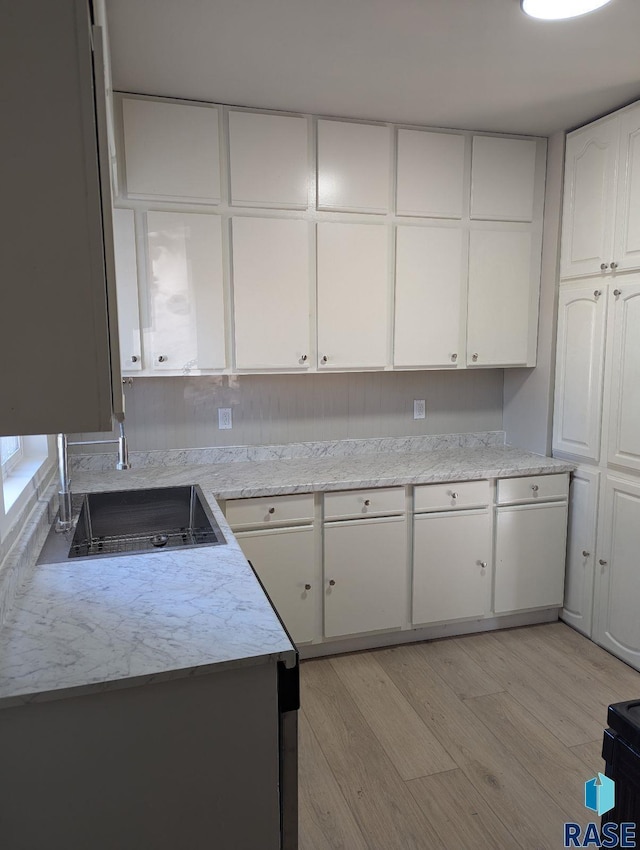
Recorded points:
185,292
269,160
353,295
579,370
429,282
589,199
271,292
124,238
503,298
627,234
430,175
171,151
353,166
624,422
503,179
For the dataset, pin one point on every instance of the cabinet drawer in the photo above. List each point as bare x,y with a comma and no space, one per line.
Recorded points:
533,488
265,510
453,494
359,503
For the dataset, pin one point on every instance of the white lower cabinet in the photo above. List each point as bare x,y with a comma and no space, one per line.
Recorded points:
581,550
284,559
617,621
365,562
451,566
530,556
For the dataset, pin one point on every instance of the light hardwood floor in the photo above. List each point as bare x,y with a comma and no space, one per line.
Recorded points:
482,742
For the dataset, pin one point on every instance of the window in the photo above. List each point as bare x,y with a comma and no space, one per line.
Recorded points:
10,453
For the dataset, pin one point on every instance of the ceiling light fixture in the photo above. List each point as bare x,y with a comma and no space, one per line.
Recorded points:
556,10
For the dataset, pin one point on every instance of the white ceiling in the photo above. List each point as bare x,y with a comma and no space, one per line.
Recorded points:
466,64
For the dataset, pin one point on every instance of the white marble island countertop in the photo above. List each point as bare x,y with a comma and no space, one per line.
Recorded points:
91,625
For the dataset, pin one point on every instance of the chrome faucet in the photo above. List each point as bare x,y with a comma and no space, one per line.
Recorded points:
64,522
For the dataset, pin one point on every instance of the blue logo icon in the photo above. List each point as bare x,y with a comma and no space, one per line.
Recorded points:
600,794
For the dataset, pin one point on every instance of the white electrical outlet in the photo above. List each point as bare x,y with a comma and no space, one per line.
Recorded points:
224,419
419,408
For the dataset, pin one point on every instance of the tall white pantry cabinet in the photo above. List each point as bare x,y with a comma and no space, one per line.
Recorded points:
597,405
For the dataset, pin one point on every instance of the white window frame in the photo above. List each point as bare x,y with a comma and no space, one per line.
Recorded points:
14,459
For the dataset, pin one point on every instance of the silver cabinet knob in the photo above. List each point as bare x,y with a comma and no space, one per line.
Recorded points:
272,510
614,265
454,495
617,292
307,587
602,563
474,357
162,358
604,266
304,358
134,358
454,357
597,293
586,554
482,564
332,583
535,488
367,502
324,358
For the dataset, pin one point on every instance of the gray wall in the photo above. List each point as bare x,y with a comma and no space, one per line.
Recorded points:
181,412
528,393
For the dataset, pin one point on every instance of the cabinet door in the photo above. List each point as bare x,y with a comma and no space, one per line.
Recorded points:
581,550
503,299
579,371
430,174
185,292
530,556
285,561
429,280
589,198
624,422
353,295
124,243
271,290
365,575
268,160
503,178
353,166
451,575
627,233
171,150
617,624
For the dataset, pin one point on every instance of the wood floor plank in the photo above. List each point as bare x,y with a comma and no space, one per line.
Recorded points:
326,822
459,671
460,816
561,715
506,786
622,679
553,765
561,672
591,756
410,745
386,814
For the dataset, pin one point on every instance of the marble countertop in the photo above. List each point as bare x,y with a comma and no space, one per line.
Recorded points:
106,623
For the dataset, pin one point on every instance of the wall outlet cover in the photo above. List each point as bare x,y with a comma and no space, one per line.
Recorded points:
224,419
419,408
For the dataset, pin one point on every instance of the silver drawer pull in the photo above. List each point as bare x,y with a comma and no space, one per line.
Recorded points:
586,554
602,563
307,587
454,495
535,488
272,510
332,583
367,502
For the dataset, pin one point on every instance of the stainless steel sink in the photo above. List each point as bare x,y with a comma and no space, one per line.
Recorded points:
133,521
